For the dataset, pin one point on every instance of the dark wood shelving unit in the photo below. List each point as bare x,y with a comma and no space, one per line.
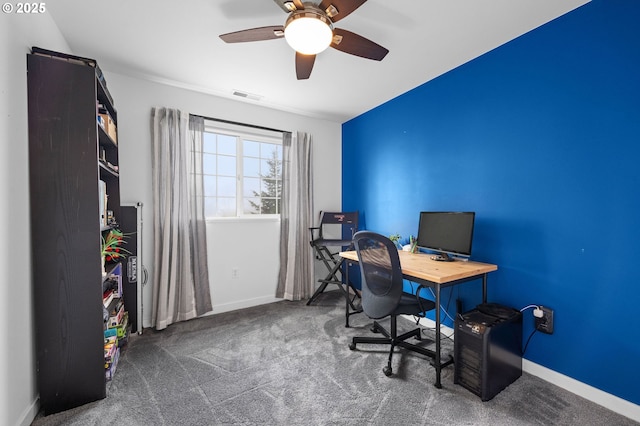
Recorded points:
65,142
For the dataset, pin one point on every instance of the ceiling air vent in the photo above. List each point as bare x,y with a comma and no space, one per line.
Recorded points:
246,95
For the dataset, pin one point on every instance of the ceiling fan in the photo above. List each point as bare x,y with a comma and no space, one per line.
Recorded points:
309,30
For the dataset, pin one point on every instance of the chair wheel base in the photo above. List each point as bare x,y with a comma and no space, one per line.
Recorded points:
387,371
352,346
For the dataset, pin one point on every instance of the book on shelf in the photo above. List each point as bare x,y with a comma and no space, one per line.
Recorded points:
108,125
110,332
110,368
116,318
112,282
107,297
102,199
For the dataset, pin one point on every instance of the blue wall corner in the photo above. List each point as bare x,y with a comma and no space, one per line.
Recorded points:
540,137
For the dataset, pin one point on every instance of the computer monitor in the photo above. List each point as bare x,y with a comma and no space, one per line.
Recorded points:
447,233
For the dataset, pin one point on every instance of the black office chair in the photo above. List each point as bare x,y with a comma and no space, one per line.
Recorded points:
333,234
382,294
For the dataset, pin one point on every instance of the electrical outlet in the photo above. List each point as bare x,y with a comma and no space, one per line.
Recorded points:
545,323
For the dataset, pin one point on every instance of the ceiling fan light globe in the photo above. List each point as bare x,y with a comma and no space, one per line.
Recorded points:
308,33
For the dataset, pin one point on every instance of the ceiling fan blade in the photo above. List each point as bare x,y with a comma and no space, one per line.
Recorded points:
289,5
254,34
304,65
343,8
354,44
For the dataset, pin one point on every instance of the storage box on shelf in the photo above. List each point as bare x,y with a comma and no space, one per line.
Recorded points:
108,125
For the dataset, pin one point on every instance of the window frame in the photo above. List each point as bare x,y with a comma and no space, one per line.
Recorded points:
242,133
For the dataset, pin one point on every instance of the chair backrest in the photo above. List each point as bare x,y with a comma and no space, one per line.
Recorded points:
381,273
338,225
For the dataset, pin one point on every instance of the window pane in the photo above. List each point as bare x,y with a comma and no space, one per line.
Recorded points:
209,207
209,186
251,187
251,149
251,167
233,167
209,142
268,150
226,165
209,164
226,186
226,207
251,206
227,145
271,187
266,169
268,206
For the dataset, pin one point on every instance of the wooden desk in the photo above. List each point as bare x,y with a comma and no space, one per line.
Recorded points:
420,268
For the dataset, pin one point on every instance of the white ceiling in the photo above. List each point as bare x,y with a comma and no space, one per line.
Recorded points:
176,42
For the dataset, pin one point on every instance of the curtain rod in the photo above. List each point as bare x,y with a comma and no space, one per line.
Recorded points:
241,124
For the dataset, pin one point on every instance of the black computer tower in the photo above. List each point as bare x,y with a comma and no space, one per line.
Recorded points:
488,349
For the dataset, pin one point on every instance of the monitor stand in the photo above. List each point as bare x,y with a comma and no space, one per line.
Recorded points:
442,257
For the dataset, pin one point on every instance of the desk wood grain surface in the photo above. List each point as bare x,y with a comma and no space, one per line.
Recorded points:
420,265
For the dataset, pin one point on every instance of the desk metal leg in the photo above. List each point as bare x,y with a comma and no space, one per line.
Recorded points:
346,306
484,288
437,358
349,308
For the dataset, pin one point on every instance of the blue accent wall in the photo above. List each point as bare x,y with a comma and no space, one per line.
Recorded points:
541,138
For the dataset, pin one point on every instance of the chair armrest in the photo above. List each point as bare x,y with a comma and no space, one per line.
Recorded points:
315,228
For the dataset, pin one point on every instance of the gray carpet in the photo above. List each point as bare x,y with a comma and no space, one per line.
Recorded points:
289,364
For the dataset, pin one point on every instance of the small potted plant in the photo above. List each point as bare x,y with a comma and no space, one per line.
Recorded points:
112,249
395,238
411,247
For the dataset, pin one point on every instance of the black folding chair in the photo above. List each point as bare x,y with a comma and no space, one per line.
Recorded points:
335,231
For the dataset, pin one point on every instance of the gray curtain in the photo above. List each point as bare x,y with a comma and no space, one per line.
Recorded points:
176,284
295,278
197,224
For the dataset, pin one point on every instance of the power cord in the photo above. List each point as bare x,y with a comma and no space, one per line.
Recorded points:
418,317
417,292
529,307
537,312
425,328
442,308
528,340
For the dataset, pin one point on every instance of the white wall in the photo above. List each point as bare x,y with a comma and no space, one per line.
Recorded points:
250,246
18,393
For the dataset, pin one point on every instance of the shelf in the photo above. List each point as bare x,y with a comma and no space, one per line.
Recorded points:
71,372
105,140
104,96
110,269
106,169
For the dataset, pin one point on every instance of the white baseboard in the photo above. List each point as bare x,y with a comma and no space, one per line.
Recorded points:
30,413
611,402
241,304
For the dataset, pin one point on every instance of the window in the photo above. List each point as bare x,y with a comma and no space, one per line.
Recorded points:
242,171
